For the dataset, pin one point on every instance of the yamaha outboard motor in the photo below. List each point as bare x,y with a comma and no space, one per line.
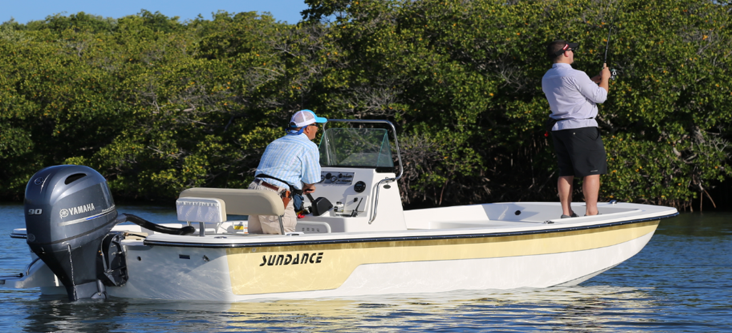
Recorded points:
68,212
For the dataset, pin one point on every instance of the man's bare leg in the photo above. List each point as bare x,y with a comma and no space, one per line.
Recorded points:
591,190
564,186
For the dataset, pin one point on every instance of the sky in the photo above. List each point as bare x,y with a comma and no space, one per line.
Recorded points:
24,11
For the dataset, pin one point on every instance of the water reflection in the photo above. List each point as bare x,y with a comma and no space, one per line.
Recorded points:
52,314
577,308
712,224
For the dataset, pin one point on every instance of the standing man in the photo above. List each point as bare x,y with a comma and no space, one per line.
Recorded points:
573,98
290,163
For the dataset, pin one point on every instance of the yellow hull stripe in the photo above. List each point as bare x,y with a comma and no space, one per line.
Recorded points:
281,268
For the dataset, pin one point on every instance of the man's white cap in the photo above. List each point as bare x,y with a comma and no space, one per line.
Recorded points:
306,117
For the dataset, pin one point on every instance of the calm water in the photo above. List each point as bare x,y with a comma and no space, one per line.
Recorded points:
681,281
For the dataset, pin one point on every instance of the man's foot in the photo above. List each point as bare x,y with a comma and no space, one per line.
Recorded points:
568,216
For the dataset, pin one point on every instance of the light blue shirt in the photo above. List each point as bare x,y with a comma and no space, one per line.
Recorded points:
572,96
292,158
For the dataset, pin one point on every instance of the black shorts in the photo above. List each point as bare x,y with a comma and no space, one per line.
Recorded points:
580,152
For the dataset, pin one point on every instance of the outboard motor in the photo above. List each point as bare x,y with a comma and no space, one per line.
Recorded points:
68,212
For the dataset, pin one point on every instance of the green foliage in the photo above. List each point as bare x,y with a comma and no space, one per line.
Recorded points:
157,105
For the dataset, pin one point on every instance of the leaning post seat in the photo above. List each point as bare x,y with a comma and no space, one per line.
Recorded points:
231,201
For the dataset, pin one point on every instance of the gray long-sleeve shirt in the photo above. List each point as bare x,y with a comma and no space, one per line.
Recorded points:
572,96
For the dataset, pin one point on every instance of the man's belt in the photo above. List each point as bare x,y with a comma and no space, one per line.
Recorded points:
549,123
268,185
285,200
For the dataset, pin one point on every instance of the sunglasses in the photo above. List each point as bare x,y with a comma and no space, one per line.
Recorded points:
565,49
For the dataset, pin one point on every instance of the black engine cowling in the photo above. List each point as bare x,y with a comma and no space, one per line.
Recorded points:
68,211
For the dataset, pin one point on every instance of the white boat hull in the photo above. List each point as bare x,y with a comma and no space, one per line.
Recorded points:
476,253
416,263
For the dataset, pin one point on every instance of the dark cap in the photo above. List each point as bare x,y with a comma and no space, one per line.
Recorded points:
557,47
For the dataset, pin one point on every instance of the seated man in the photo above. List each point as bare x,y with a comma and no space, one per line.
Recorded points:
290,163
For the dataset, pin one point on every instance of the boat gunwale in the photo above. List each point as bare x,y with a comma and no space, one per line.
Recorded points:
233,245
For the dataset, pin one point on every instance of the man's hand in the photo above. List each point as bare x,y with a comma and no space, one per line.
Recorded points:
605,78
308,188
605,72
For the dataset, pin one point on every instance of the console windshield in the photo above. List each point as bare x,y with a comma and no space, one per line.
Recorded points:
356,147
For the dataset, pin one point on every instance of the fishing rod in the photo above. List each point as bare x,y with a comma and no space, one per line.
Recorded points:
613,72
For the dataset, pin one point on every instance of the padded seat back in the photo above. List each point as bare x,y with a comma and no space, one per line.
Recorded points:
241,201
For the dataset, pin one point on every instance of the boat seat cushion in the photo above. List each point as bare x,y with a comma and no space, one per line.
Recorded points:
241,201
